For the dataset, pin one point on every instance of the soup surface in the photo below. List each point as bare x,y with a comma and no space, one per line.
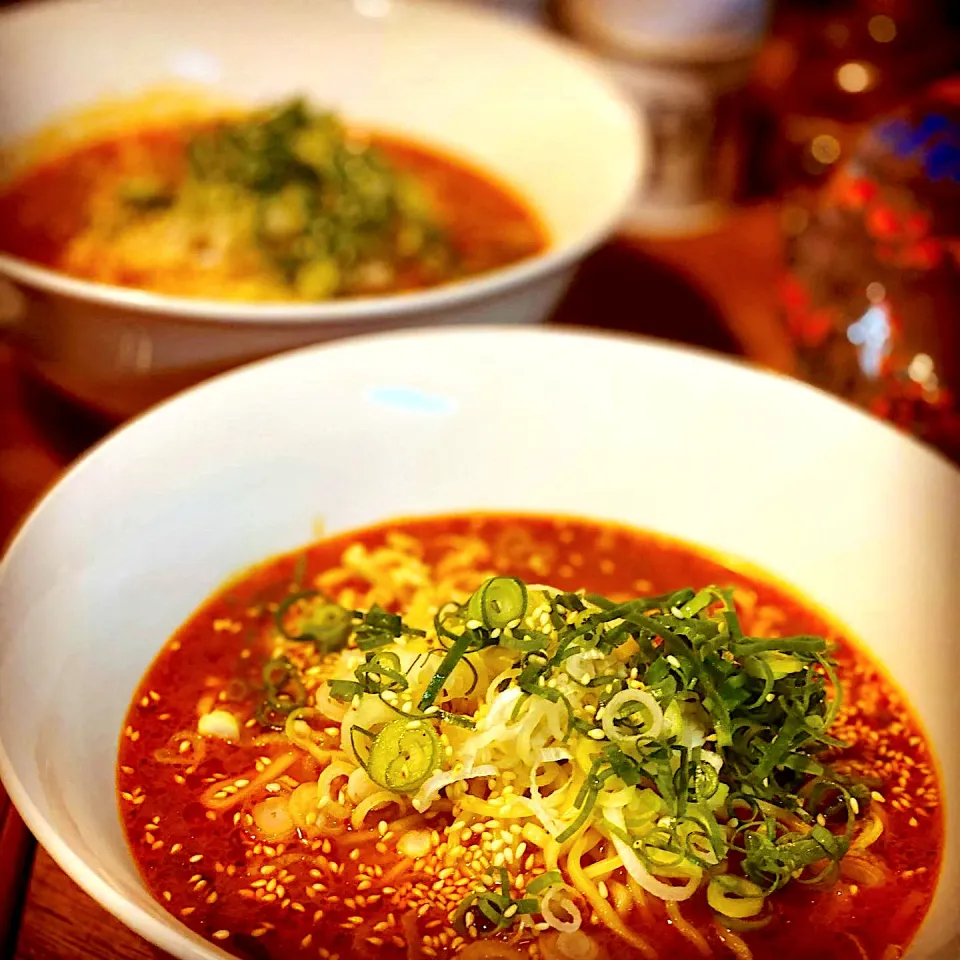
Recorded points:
282,204
516,771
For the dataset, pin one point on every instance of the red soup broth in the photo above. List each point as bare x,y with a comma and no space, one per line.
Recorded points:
355,894
50,203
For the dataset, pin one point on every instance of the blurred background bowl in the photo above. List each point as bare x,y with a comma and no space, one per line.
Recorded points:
527,109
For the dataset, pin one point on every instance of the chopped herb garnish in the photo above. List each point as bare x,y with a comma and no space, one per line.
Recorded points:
324,624
327,212
403,754
283,692
699,751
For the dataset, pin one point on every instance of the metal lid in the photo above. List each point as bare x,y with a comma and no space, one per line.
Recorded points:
700,30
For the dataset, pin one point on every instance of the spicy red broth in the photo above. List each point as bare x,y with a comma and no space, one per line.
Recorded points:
217,823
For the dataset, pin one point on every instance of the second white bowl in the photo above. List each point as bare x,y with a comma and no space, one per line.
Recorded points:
526,108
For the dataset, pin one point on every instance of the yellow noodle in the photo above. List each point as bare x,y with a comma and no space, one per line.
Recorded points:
358,837
307,742
864,869
408,921
552,772
602,867
339,768
535,834
688,930
551,855
603,909
622,899
863,953
869,833
267,775
506,811
396,872
639,894
381,798
733,943
490,950
641,898
270,739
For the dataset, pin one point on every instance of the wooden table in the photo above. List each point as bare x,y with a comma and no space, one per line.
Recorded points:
715,291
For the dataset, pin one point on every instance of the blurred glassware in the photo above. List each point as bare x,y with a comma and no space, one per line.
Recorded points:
531,10
832,66
872,293
686,66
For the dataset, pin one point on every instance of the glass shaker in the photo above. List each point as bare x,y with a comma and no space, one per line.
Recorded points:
685,67
872,293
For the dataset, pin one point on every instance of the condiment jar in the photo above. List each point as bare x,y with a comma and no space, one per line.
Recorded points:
685,65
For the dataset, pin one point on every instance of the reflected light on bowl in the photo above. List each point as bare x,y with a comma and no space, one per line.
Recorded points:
414,401
372,8
196,66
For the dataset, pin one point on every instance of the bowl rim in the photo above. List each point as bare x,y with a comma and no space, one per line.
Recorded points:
553,258
167,932
932,455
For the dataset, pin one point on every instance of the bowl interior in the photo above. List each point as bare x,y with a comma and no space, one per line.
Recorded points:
861,520
522,107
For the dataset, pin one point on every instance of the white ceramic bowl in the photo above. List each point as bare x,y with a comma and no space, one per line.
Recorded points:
861,519
525,107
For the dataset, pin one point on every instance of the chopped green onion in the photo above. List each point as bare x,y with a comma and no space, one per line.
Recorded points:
498,602
327,626
403,755
453,656
733,896
283,692
704,743
545,880
382,672
345,690
586,808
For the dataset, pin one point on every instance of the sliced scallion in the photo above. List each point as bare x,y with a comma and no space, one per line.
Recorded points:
498,602
403,755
